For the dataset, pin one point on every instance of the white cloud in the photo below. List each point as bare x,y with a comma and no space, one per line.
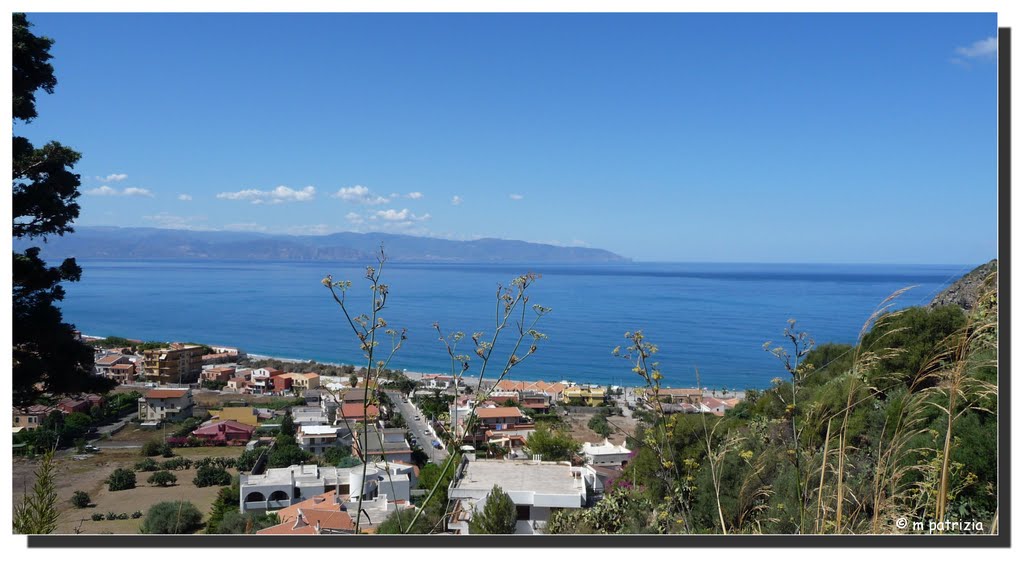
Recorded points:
165,220
984,49
113,177
404,215
136,192
105,191
360,195
415,195
516,197
456,200
277,195
354,218
184,197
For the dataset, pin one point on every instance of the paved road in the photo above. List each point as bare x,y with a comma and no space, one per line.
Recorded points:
409,413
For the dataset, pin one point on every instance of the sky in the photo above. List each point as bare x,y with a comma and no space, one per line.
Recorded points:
834,138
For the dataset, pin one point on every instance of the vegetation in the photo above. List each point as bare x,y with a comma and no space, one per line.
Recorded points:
234,522
81,499
225,503
208,476
162,479
121,479
398,523
37,513
156,447
47,355
335,454
498,515
172,517
900,425
599,424
175,464
554,444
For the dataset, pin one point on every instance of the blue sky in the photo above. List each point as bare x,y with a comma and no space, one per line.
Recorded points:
764,138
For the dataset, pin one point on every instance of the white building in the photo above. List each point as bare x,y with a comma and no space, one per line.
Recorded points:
317,438
281,487
605,454
535,487
303,416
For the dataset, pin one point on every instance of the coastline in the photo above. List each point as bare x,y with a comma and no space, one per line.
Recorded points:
419,374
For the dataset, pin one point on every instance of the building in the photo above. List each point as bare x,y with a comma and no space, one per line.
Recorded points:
354,413
218,358
279,488
234,352
315,439
102,365
245,415
260,380
551,389
237,384
281,383
536,487
70,405
218,374
382,443
305,381
305,416
605,454
322,514
590,396
228,432
177,364
677,395
714,406
123,373
165,405
31,417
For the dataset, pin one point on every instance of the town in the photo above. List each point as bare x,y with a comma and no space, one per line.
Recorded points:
278,447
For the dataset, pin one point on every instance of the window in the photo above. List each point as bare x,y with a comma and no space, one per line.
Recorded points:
522,512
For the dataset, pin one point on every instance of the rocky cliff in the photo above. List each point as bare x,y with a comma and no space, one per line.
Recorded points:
965,291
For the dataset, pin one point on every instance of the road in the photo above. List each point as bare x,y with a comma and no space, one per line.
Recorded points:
409,413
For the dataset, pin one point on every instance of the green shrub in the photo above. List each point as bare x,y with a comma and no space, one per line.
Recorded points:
96,517
176,464
111,516
172,517
122,516
148,464
162,479
80,499
121,479
137,514
208,476
157,447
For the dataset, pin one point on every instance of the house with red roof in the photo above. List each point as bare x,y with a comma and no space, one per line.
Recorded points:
165,405
230,432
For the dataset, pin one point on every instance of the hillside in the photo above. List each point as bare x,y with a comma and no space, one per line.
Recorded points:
964,292
156,243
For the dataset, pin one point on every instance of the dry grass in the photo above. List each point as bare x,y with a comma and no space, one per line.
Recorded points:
89,474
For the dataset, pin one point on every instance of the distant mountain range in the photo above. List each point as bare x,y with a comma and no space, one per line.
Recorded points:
157,243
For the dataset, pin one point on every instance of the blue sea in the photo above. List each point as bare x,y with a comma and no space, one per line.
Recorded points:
714,317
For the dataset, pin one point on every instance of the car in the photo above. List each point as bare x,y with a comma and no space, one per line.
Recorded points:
413,441
426,432
437,445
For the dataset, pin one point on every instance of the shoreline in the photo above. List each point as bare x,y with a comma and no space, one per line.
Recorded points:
418,375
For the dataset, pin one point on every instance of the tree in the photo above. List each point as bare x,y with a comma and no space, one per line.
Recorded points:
81,499
234,522
47,354
352,380
172,517
37,513
288,425
599,424
162,479
398,523
156,447
498,515
121,479
552,444
208,476
334,454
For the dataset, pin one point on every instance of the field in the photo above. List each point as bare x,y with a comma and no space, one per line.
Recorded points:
88,475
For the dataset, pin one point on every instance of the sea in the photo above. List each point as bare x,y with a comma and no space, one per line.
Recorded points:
708,317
